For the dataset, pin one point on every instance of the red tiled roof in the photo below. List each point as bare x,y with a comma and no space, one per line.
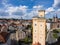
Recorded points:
37,43
3,37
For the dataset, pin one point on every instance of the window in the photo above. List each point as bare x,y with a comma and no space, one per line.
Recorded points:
58,26
40,25
40,37
35,30
34,36
41,15
35,24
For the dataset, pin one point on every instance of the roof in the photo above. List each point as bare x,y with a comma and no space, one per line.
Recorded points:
57,43
37,43
39,17
36,17
3,36
41,10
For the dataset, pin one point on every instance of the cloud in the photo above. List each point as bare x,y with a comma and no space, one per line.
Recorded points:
22,11
10,11
38,6
33,12
17,11
4,13
5,3
22,8
58,10
50,9
56,3
54,9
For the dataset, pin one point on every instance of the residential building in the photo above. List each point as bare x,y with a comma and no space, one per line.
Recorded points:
48,26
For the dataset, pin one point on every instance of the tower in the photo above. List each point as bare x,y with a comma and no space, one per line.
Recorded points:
55,18
39,24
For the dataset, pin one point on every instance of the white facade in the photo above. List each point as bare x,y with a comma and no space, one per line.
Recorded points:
48,26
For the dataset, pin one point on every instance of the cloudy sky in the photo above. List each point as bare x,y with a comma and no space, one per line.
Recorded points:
28,8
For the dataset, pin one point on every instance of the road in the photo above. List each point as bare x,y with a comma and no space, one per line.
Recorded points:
50,38
7,43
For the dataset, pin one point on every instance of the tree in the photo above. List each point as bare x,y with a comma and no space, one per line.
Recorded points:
55,35
55,31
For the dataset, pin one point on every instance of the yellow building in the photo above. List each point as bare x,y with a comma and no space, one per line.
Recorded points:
39,24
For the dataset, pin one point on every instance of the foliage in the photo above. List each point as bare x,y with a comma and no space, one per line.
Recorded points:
29,27
58,30
55,31
50,19
27,40
55,35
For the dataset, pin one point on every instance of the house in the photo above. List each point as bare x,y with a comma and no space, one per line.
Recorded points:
48,25
3,37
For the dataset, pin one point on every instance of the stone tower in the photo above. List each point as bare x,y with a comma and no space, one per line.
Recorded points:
39,25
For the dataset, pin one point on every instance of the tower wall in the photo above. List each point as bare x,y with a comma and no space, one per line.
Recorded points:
39,25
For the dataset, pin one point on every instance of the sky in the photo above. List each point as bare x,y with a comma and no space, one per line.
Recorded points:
28,8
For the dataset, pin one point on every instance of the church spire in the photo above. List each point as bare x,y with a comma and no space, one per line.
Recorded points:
53,16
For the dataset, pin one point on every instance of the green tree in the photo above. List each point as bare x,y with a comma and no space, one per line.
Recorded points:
55,31
55,35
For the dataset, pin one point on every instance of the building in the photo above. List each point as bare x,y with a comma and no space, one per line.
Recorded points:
48,26
53,23
3,37
39,25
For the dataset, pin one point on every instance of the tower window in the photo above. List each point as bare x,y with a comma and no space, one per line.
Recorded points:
40,37
41,15
40,25
35,24
35,36
35,30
